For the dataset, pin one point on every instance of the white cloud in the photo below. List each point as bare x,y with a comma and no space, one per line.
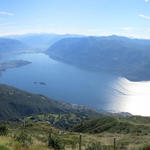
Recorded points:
6,13
127,28
144,17
146,1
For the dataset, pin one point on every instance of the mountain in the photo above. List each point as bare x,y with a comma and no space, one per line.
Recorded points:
129,58
15,103
11,46
40,42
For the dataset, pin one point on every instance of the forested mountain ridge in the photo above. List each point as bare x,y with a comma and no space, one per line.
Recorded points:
15,103
126,57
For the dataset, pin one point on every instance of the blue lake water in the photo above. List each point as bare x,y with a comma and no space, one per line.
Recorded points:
67,83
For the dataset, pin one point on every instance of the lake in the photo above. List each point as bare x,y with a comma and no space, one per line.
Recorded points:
63,82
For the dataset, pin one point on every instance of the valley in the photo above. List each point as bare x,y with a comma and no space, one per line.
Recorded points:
75,75
64,92
100,90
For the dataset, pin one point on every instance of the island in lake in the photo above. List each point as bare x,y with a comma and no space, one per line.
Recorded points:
41,83
4,65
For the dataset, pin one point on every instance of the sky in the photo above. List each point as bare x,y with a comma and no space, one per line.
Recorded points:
89,17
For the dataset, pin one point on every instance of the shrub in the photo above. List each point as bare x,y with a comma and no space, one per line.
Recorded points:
94,146
56,143
97,146
3,130
146,147
23,138
2,147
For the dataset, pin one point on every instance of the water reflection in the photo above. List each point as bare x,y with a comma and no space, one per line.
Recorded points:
133,97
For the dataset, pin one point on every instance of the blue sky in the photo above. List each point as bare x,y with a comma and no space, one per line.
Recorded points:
91,17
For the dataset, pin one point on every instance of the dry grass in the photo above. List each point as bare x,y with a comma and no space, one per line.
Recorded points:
40,131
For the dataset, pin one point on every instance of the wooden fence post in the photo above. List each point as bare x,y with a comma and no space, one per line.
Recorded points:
80,142
114,143
50,137
24,122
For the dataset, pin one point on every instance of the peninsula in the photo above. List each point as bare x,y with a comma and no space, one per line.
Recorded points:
4,65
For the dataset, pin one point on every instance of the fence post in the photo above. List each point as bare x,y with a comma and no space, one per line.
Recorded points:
80,142
24,122
114,143
50,137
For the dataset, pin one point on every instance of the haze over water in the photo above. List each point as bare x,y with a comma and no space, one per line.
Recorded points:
67,83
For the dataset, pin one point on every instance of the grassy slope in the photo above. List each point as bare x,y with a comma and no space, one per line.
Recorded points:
114,125
62,120
40,131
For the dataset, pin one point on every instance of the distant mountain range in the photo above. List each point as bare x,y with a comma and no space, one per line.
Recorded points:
123,56
126,57
11,46
41,42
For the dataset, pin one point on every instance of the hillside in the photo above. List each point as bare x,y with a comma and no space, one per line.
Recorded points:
15,103
35,136
123,56
11,46
134,124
